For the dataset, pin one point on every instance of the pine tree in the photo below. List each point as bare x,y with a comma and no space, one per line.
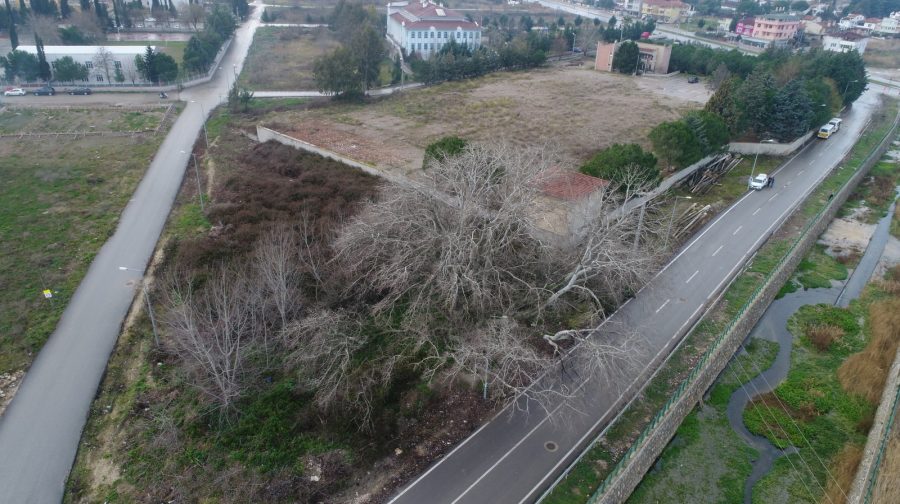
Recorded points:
64,9
85,5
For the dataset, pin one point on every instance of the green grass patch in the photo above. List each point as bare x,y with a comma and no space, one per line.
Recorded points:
281,58
58,204
818,269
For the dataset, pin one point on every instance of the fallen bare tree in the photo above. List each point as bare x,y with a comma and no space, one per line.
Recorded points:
476,284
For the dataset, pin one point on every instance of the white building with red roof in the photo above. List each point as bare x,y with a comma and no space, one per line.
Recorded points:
424,27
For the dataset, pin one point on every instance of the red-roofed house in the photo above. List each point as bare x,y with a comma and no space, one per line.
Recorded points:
423,27
568,199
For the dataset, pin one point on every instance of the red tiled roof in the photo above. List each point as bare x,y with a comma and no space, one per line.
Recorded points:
569,185
438,25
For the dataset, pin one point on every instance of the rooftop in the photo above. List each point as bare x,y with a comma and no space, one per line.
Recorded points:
779,17
424,15
570,185
69,50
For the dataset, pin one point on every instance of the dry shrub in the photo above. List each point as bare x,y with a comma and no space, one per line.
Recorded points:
823,335
865,372
843,470
887,488
851,257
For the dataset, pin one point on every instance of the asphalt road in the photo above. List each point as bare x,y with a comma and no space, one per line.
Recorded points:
41,428
516,456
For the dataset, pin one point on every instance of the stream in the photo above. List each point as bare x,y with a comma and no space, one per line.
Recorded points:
773,327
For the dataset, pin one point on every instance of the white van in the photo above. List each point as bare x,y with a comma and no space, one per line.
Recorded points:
831,128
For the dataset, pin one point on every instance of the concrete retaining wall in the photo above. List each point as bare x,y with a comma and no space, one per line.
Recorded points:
772,149
634,469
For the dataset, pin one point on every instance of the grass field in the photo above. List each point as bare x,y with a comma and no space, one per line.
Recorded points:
882,53
581,110
282,58
59,202
35,120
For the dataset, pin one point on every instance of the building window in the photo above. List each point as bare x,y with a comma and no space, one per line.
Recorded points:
89,64
99,78
118,64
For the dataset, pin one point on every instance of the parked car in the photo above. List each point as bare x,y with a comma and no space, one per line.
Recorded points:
693,79
759,182
80,91
14,92
44,91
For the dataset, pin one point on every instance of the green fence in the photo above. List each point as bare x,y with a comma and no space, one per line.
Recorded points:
723,335
873,478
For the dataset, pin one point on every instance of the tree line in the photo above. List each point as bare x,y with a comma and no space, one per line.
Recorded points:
354,67
201,50
457,61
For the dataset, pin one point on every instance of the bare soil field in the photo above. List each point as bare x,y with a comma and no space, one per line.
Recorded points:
281,59
75,119
574,110
883,53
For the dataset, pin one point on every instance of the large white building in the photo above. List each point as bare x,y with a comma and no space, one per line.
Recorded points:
122,58
845,42
423,27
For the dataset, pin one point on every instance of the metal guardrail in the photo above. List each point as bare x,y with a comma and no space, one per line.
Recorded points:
701,364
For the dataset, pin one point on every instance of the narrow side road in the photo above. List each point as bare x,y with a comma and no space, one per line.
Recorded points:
41,429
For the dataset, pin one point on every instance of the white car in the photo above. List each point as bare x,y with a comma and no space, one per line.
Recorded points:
759,182
14,92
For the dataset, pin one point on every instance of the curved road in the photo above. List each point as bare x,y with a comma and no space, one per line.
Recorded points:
516,456
41,428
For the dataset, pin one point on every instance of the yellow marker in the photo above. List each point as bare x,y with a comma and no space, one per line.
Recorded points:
48,294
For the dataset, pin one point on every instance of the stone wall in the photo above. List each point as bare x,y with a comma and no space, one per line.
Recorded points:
643,458
771,149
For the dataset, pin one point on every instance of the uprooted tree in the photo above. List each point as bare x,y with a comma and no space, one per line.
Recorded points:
447,279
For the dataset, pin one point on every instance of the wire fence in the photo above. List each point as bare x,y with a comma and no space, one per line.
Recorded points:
876,466
724,334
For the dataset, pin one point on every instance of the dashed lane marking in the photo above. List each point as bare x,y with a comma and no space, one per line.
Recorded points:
692,277
663,305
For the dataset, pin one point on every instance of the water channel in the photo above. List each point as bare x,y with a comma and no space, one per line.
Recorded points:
773,327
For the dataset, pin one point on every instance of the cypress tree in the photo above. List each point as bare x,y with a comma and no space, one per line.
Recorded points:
43,66
64,9
13,35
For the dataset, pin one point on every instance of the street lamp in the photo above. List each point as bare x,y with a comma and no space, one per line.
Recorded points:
672,218
147,300
197,173
203,116
844,94
753,170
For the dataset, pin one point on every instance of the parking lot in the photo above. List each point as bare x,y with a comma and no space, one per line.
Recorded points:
61,98
676,86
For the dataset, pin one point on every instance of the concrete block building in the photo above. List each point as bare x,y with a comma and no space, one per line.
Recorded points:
424,27
122,58
653,58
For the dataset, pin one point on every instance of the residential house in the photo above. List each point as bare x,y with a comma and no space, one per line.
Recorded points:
667,11
813,25
424,27
122,57
654,58
845,42
851,21
771,30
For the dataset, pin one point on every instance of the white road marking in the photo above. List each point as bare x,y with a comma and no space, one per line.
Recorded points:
800,172
718,250
692,277
811,162
773,196
663,305
757,210
789,183
738,230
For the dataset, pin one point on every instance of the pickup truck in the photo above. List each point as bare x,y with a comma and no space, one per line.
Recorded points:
759,182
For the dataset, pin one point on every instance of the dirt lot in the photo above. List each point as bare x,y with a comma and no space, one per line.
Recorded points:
281,59
575,110
883,53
